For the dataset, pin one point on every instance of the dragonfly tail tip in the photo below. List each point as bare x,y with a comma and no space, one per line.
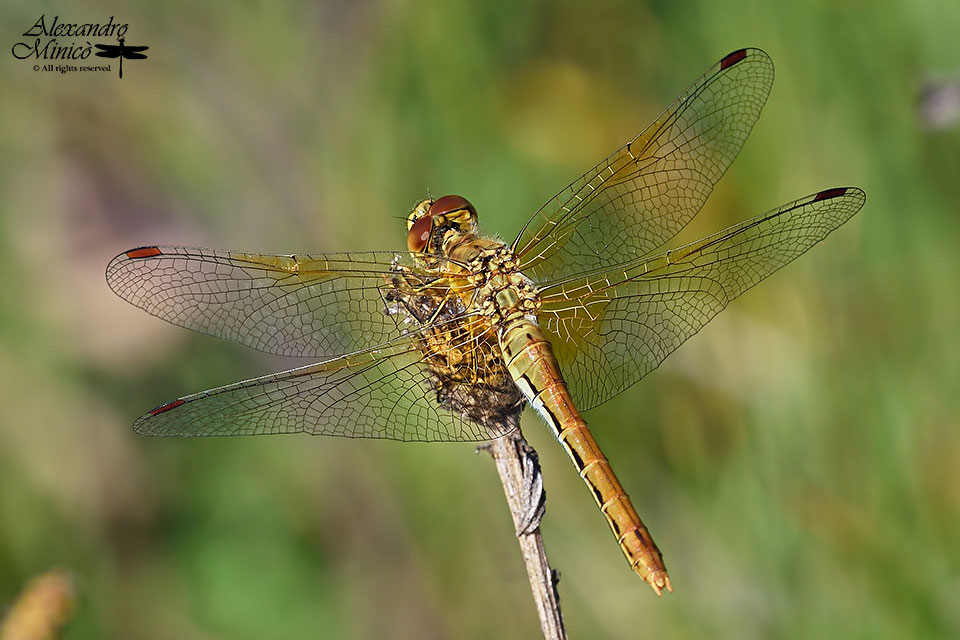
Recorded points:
659,581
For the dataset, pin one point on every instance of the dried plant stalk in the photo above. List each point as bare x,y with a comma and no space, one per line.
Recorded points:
519,470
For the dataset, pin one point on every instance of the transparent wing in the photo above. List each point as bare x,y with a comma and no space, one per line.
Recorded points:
290,305
378,393
641,196
610,328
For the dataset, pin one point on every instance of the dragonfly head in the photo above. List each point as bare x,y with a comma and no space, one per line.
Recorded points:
430,221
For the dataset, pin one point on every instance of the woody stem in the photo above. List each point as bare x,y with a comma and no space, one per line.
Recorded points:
519,472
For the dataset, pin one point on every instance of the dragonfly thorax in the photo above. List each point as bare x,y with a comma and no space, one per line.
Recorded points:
505,293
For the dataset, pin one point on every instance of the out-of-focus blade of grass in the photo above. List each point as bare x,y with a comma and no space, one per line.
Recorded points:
42,610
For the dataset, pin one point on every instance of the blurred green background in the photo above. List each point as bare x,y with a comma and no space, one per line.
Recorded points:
798,461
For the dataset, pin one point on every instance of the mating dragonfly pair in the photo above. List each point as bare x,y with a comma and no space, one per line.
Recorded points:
449,340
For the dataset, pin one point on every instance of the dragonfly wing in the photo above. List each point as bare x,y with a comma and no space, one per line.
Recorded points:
133,56
611,328
109,51
379,393
644,193
294,305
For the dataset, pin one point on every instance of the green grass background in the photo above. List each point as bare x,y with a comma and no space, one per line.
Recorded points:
798,461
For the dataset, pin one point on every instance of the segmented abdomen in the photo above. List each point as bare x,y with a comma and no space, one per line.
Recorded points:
534,369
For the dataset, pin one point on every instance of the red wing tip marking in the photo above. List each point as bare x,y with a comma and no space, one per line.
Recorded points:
166,407
830,193
143,252
733,58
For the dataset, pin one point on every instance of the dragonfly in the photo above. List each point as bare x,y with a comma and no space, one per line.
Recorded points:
121,51
451,338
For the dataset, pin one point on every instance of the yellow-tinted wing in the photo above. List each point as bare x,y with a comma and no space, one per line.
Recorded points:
611,327
289,305
387,392
641,196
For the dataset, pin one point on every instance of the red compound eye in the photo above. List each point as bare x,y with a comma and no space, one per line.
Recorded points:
447,204
419,234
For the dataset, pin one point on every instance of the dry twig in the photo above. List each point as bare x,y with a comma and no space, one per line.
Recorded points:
519,470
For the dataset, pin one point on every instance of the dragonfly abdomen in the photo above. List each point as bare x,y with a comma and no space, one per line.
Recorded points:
533,367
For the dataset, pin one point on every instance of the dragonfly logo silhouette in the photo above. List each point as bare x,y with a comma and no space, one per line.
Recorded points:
121,51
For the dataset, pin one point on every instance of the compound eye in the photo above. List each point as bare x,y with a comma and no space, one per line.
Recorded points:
449,204
419,234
